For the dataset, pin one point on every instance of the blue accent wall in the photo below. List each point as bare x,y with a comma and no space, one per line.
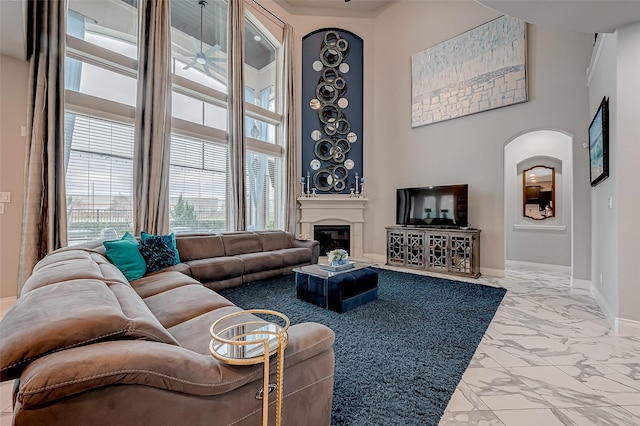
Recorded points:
349,87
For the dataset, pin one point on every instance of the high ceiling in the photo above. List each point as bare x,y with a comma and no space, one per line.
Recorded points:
591,16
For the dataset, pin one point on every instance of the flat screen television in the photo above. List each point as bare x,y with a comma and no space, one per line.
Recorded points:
438,206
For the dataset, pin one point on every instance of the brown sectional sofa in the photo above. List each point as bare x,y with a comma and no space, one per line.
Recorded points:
88,347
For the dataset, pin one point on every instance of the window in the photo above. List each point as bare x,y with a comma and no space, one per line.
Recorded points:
100,81
99,178
264,173
101,86
197,186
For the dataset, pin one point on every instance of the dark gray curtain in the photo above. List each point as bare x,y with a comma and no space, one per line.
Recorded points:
153,119
44,222
236,198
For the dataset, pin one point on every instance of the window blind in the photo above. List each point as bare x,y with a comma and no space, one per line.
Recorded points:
197,185
99,178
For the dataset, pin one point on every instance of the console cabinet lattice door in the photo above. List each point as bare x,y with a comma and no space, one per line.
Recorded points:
445,251
437,251
415,249
395,247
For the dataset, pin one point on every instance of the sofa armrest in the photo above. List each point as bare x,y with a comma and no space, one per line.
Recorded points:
312,244
155,364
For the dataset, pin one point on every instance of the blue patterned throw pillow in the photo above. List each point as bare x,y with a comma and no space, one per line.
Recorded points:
158,252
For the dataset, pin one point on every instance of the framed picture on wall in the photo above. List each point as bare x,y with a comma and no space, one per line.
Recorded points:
599,144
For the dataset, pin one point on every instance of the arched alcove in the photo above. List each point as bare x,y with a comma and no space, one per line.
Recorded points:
536,242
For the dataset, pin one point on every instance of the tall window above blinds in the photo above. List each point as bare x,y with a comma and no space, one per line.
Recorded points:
197,186
263,183
99,178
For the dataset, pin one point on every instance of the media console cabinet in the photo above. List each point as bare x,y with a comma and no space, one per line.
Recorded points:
451,251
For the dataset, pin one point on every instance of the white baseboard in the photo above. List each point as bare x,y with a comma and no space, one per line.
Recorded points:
380,259
6,303
577,283
627,326
538,266
604,305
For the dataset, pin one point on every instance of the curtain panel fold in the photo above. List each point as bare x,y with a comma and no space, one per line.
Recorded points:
291,130
44,221
236,121
153,119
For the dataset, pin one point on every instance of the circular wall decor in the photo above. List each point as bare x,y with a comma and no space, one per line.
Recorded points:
328,117
349,164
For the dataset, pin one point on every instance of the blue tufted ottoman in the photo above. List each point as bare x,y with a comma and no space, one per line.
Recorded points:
346,290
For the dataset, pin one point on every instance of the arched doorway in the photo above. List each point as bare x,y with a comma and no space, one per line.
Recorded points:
547,243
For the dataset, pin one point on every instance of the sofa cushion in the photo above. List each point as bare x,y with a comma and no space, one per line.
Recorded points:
71,265
241,243
184,303
72,313
216,269
295,256
158,251
125,255
263,261
145,236
275,240
160,282
194,247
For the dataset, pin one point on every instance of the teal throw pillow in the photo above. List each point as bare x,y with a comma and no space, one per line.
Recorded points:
145,235
125,255
158,251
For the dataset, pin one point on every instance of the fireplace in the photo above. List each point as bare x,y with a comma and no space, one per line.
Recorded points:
335,210
332,237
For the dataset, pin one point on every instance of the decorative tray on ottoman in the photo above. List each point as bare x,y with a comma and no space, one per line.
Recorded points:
336,268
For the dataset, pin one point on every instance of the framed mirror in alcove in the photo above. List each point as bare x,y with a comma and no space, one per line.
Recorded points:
538,192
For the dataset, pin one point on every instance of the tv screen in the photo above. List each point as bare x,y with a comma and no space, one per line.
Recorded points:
442,206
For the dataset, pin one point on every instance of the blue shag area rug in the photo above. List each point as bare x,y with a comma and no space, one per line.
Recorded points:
398,359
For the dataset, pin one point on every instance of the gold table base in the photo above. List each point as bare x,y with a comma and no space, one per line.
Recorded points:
244,345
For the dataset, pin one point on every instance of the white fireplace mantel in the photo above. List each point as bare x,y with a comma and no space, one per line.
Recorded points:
335,209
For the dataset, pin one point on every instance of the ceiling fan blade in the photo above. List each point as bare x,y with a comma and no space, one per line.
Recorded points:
214,60
190,65
214,49
194,43
206,70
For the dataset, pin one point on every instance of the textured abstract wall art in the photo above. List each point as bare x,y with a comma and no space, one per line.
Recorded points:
332,102
482,69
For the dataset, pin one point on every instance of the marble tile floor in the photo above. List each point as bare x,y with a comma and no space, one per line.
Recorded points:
548,358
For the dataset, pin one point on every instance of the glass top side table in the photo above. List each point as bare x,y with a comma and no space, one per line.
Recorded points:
252,340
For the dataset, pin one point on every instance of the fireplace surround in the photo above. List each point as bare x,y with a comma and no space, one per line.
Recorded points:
332,210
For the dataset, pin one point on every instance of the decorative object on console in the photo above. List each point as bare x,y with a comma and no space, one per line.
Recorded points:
482,69
599,144
332,61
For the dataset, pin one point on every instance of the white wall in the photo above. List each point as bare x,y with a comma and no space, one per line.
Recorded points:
552,245
14,74
469,149
627,158
604,224
613,72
